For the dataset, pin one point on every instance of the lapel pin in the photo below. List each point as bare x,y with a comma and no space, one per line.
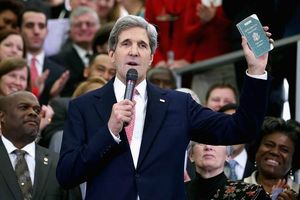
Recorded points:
45,161
162,100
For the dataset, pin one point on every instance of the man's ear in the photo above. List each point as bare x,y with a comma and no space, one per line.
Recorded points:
111,56
151,59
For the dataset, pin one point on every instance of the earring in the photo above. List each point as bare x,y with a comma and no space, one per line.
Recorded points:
291,175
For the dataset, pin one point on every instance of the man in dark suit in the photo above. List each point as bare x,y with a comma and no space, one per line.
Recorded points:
20,119
84,23
34,31
150,163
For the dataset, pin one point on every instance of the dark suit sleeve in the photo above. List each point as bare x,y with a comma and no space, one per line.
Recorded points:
81,157
241,127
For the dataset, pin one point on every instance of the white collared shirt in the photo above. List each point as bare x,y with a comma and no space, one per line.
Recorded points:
241,159
140,106
39,61
82,54
29,156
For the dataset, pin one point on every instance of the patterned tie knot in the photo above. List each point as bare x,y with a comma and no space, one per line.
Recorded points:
20,153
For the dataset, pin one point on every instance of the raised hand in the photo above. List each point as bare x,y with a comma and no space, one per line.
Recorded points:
59,84
256,66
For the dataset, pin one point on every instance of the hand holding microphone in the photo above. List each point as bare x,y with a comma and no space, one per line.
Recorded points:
131,78
122,111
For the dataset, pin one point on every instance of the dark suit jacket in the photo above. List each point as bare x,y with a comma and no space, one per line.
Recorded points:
55,72
70,59
89,152
45,183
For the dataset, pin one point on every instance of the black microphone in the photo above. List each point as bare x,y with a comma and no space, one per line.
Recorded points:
131,78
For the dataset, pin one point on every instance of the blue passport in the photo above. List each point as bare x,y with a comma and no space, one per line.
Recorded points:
252,29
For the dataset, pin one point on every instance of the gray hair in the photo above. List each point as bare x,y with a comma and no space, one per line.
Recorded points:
131,21
81,10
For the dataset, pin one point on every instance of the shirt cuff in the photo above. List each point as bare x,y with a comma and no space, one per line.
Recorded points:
116,137
262,76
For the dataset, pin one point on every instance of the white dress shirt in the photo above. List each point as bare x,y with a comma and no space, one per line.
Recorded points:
140,106
39,61
241,160
29,156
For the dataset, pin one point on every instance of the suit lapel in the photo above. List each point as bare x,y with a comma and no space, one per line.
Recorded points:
42,167
155,114
105,100
8,173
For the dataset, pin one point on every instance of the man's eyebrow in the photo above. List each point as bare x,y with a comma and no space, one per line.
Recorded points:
125,40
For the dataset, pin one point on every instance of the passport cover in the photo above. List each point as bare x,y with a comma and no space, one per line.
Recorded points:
252,29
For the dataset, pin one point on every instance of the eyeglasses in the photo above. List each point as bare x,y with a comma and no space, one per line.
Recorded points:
81,24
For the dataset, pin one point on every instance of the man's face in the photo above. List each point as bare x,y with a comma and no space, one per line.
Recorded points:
34,30
132,51
103,67
219,97
83,29
8,20
20,122
162,80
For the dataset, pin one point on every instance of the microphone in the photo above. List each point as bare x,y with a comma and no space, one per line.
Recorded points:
131,78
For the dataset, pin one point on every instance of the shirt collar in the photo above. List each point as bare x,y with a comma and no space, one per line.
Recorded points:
241,159
81,52
39,58
29,148
119,89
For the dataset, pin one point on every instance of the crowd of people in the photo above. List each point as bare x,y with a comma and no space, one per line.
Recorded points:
63,68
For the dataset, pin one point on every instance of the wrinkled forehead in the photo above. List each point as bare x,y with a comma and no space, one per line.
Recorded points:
138,34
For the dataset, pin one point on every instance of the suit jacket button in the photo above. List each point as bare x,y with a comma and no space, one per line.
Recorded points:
137,175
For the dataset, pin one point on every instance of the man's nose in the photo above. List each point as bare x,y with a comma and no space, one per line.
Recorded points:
36,29
134,50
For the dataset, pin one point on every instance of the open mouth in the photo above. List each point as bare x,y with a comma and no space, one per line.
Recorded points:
132,63
272,162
